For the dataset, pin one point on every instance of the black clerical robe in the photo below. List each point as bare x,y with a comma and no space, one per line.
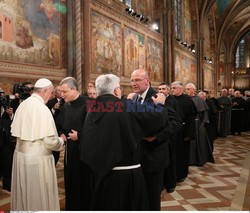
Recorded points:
169,134
200,148
237,118
111,139
247,113
225,104
72,116
212,126
7,147
187,113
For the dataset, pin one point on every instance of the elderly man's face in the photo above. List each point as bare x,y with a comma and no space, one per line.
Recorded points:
224,92
190,91
231,91
139,82
67,93
176,90
237,94
58,92
48,93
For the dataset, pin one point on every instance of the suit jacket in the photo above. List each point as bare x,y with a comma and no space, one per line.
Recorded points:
51,104
5,123
155,155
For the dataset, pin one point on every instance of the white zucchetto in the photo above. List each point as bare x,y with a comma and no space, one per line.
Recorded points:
42,83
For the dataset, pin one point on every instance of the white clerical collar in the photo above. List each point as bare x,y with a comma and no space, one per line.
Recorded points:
143,95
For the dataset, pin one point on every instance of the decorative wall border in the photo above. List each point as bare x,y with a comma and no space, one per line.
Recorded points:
20,70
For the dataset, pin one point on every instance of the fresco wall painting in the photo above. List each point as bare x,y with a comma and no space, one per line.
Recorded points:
187,22
118,49
208,77
144,7
106,45
134,51
32,43
185,68
154,60
206,39
35,30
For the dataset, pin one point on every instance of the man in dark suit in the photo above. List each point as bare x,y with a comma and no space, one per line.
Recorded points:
154,152
187,114
6,146
170,134
54,105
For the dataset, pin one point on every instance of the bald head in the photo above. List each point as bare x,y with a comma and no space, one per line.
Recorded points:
190,89
202,95
139,81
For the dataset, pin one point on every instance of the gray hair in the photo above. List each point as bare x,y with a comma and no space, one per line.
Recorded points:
191,85
178,83
106,84
70,81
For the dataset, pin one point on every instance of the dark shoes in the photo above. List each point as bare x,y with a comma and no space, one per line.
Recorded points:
170,190
179,180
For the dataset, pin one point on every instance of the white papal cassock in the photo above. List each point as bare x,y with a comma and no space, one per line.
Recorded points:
34,181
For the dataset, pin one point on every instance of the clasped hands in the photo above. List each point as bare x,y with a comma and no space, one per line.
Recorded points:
73,135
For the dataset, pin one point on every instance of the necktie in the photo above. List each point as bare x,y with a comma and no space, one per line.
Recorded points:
139,99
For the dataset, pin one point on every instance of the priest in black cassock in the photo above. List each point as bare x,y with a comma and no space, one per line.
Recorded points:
70,124
237,118
110,146
200,148
170,133
187,114
225,105
212,125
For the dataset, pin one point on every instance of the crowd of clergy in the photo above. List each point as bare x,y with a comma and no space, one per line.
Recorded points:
120,151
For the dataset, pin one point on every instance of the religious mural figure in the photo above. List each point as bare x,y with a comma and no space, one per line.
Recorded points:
106,45
134,51
154,60
23,39
49,8
177,66
28,32
208,78
144,7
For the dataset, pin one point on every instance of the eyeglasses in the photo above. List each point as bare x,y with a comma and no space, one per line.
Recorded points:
137,80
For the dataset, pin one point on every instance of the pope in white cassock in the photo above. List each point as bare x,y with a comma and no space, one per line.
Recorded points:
34,181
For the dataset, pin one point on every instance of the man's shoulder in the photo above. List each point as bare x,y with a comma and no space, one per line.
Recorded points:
151,92
52,100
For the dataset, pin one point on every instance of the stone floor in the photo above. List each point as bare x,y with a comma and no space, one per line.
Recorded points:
224,185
